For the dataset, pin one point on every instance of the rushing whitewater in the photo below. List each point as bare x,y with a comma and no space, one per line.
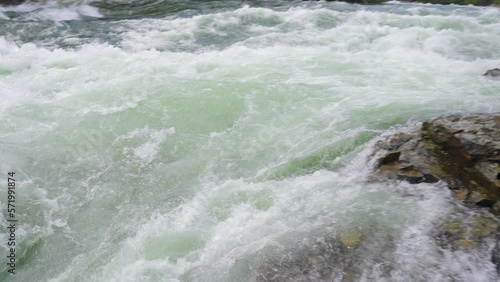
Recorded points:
196,141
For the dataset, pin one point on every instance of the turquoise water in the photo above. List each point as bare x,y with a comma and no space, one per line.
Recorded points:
192,141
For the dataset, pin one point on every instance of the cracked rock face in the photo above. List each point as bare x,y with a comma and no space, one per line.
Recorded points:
461,150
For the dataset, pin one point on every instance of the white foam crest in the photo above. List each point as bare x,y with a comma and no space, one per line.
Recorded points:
138,271
246,226
36,74
166,34
233,223
74,71
184,33
315,27
51,11
149,143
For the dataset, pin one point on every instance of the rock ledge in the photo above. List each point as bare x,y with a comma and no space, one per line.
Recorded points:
461,150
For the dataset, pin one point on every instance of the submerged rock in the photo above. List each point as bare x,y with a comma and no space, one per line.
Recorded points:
466,232
342,257
461,150
11,2
493,72
464,152
351,240
495,255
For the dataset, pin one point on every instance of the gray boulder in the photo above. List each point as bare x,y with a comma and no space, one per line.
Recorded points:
461,150
493,72
11,2
464,152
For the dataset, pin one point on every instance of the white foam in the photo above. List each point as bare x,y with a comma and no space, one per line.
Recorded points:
294,90
51,11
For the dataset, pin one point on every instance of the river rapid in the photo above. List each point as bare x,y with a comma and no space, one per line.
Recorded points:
197,140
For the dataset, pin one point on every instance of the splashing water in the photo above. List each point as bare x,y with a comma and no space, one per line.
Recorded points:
194,141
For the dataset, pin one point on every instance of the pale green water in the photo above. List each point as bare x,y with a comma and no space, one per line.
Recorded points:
191,141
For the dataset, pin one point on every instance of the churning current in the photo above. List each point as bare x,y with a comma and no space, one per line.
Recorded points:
208,140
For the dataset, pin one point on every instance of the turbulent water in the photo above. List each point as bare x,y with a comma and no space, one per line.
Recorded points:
198,140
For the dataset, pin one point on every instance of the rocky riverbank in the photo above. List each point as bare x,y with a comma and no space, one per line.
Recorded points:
460,151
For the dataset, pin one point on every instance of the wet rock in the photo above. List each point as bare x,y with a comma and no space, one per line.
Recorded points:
485,203
351,240
464,152
469,146
415,176
460,195
493,72
461,150
462,232
310,263
496,208
464,245
342,257
495,255
11,2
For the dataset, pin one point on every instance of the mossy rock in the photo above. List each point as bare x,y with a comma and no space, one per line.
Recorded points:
342,255
464,245
351,240
461,150
466,233
483,226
